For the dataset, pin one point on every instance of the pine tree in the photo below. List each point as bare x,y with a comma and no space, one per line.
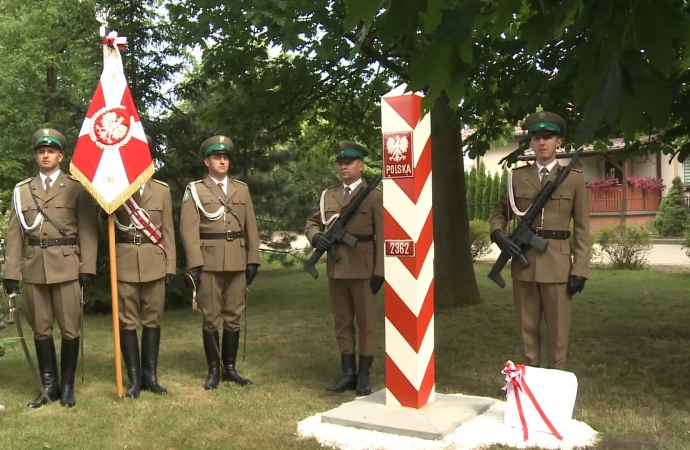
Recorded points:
496,191
486,196
504,182
479,193
671,217
471,189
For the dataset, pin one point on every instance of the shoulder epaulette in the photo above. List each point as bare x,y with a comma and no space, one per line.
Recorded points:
23,182
160,182
334,186
238,181
577,170
195,182
521,167
377,188
71,178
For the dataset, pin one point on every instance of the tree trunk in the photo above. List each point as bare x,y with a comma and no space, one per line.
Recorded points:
454,280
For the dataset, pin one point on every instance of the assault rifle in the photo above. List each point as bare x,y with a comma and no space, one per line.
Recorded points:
336,233
523,235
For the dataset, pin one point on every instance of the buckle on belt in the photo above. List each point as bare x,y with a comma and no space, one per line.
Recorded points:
228,236
136,235
43,242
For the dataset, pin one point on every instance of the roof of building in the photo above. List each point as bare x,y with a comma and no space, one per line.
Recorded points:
616,145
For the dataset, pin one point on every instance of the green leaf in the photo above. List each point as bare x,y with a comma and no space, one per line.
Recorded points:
605,101
466,50
360,10
431,19
600,146
503,16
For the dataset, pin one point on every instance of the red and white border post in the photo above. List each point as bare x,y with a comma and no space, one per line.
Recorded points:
409,250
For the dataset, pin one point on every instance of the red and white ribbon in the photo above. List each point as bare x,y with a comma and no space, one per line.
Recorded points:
515,379
141,221
112,39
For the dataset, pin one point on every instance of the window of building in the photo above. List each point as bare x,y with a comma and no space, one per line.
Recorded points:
610,171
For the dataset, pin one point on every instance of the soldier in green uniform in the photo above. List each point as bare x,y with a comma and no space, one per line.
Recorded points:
546,287
357,277
146,263
59,259
221,240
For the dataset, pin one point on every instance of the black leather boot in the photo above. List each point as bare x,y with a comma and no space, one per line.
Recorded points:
129,345
231,342
348,380
69,356
47,368
150,343
363,382
211,349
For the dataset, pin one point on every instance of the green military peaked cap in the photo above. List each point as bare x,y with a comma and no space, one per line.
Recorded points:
545,121
216,144
349,150
48,137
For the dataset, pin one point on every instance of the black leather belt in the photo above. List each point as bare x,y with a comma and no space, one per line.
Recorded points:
228,235
45,242
365,237
134,240
552,234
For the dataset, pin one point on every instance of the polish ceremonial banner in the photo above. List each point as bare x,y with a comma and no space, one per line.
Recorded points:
112,158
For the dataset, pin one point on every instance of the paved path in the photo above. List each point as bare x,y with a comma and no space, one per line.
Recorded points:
660,255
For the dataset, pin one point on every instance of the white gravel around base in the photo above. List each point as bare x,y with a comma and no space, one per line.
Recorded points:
482,431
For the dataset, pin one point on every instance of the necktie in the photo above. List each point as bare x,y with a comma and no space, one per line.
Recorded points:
544,175
47,185
346,193
220,185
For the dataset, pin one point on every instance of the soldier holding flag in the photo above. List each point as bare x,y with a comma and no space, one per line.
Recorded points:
221,241
57,217
145,269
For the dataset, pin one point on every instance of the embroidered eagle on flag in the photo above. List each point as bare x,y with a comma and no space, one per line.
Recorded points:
112,158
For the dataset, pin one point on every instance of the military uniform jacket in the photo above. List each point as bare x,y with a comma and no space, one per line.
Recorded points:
569,200
219,255
72,208
147,262
366,258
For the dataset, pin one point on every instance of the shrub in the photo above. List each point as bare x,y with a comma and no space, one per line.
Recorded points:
479,238
595,250
686,242
671,217
626,247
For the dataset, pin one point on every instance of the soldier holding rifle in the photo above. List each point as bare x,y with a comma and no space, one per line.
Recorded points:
357,276
545,283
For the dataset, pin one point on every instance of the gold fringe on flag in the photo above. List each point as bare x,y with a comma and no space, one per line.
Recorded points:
111,207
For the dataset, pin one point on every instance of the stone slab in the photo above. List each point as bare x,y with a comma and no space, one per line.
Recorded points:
433,421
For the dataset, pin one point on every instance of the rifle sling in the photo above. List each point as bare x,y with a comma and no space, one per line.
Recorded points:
229,209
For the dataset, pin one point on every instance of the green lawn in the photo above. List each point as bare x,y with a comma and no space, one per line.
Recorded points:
629,349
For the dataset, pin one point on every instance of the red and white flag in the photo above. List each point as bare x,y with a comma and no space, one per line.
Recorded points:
112,158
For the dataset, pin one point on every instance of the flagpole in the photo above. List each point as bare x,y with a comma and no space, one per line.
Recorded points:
116,313
102,18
